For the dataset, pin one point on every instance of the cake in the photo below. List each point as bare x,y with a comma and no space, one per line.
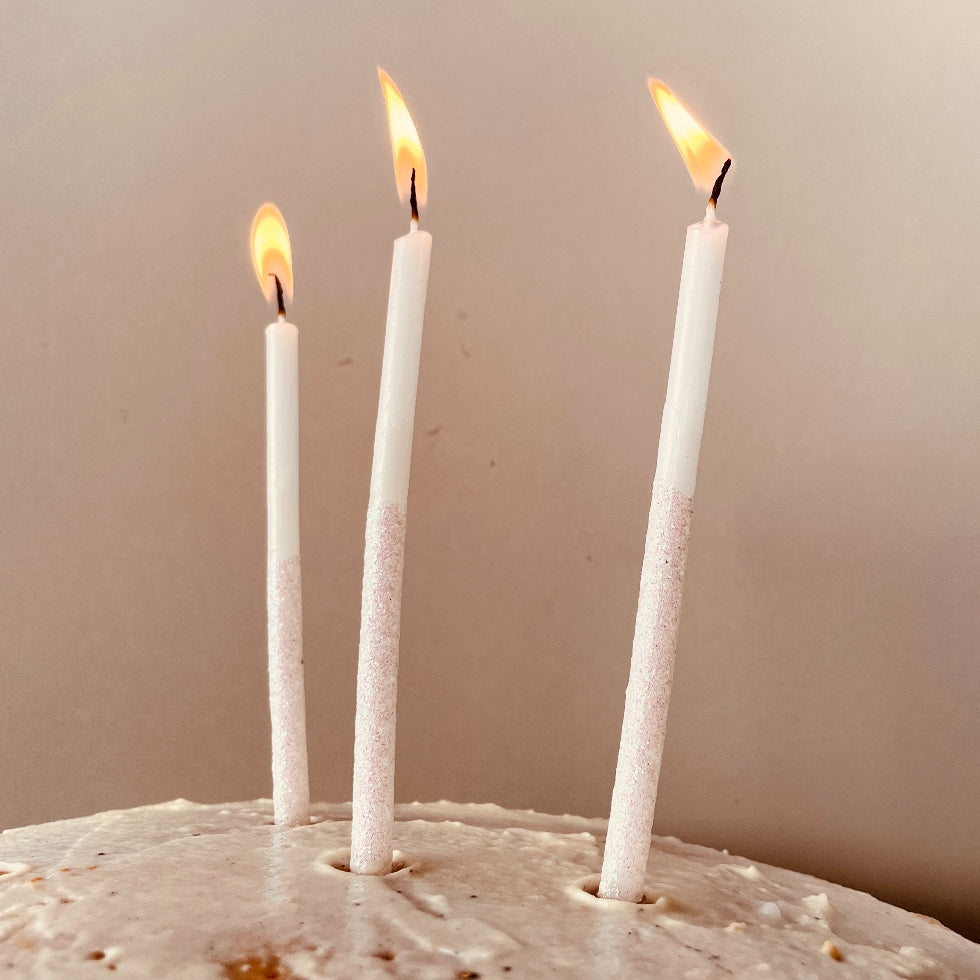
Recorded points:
195,891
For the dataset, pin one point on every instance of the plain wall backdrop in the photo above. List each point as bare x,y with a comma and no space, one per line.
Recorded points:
824,710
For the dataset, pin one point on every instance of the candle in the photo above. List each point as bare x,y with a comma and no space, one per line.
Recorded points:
384,545
290,775
662,577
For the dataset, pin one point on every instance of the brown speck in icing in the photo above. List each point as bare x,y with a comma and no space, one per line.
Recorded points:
266,967
831,950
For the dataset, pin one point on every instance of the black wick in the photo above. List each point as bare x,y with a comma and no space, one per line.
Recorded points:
282,304
413,200
716,190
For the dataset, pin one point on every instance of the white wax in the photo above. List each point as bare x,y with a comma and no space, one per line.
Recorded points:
400,369
664,560
282,439
690,359
377,670
290,773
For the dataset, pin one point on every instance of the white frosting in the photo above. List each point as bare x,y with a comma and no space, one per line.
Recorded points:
197,892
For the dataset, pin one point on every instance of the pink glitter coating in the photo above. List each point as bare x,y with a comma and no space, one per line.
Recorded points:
641,744
287,700
377,689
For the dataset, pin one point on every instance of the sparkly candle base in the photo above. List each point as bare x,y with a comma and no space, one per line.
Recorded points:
377,686
287,700
647,695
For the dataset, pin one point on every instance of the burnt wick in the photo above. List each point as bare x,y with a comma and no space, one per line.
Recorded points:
279,299
716,190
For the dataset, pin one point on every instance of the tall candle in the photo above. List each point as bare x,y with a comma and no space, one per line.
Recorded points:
287,705
662,577
384,546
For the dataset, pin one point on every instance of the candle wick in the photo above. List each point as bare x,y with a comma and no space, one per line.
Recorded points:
279,299
716,190
413,200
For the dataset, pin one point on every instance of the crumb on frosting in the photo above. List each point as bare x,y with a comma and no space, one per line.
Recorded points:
831,950
261,967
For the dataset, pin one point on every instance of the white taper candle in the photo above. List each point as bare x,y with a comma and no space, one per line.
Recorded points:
287,702
290,773
384,555
373,809
662,578
668,529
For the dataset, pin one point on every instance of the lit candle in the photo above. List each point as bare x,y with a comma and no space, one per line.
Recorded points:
662,578
384,546
287,706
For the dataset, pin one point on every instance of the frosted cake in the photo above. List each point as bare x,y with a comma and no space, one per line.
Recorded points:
196,892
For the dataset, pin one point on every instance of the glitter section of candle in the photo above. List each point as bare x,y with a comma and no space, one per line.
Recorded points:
647,695
287,699
377,688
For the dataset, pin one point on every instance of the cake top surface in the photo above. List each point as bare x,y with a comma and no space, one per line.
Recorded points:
210,891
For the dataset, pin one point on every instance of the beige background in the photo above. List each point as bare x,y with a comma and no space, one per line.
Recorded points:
827,683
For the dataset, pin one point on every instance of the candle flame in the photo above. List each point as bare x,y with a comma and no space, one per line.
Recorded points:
271,254
702,153
406,147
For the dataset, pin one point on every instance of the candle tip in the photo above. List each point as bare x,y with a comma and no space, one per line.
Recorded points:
716,190
413,200
279,298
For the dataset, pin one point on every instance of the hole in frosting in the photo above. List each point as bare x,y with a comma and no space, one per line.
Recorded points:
339,860
96,955
587,890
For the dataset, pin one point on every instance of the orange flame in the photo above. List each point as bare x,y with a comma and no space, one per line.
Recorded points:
702,153
405,144
271,254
